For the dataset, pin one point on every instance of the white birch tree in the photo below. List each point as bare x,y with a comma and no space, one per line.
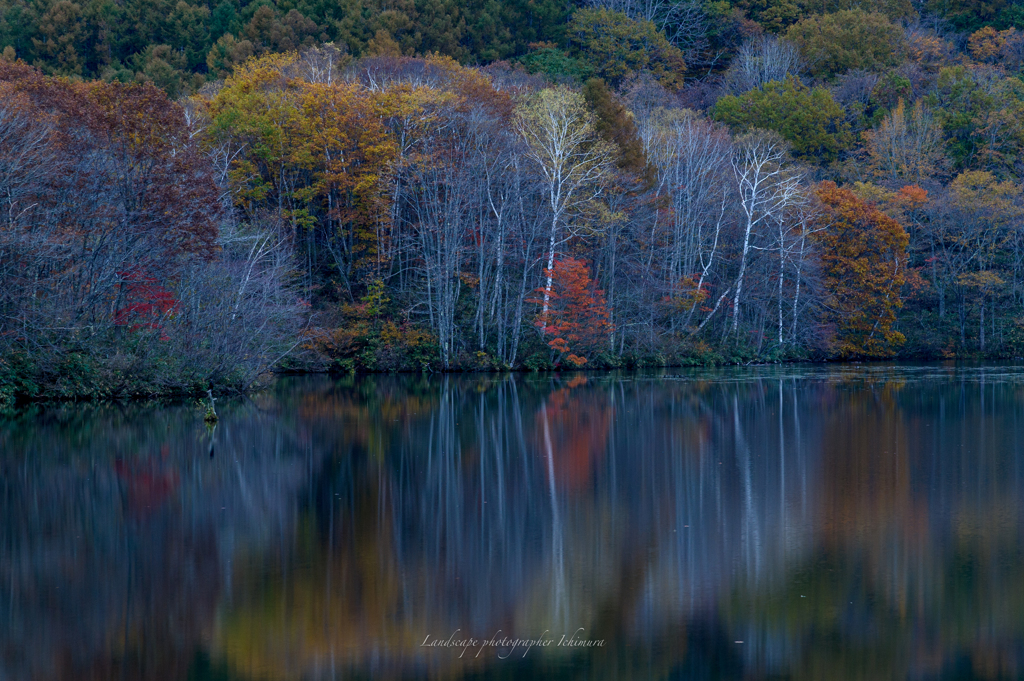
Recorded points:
572,160
766,188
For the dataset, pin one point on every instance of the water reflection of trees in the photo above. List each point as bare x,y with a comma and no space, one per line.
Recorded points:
841,524
118,531
629,524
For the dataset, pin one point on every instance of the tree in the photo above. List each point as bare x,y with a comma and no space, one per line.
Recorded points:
685,23
163,67
809,119
61,33
907,146
446,176
573,314
985,215
115,276
761,60
987,44
894,9
227,53
317,154
968,15
766,188
572,159
98,38
555,63
618,46
773,15
982,115
889,89
614,123
864,264
268,31
691,157
850,39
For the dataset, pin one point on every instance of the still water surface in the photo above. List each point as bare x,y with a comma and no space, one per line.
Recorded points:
860,522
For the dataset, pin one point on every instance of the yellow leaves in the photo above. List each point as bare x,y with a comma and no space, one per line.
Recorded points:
991,203
249,186
684,295
560,130
979,186
983,280
299,217
907,145
559,110
872,193
332,133
323,150
258,73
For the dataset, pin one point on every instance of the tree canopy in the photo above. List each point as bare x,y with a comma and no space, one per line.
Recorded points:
808,118
849,39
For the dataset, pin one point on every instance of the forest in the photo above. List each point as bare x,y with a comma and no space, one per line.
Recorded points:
194,195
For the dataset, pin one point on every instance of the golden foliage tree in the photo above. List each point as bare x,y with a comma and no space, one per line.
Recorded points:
907,146
864,262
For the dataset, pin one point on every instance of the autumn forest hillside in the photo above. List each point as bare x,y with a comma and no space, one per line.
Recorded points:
194,194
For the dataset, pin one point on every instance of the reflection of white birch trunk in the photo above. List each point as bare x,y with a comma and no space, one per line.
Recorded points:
557,553
782,462
751,524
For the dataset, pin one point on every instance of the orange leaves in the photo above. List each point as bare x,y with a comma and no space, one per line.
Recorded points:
864,263
684,294
913,196
986,44
577,316
929,50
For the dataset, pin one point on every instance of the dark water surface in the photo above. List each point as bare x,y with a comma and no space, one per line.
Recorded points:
853,522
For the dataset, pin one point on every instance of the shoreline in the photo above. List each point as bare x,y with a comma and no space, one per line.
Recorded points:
20,403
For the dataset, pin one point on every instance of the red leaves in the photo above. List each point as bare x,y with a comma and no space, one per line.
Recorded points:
577,316
146,302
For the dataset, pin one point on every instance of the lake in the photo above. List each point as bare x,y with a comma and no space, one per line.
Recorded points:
804,522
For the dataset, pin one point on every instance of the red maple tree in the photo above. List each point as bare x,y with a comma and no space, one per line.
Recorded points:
577,319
